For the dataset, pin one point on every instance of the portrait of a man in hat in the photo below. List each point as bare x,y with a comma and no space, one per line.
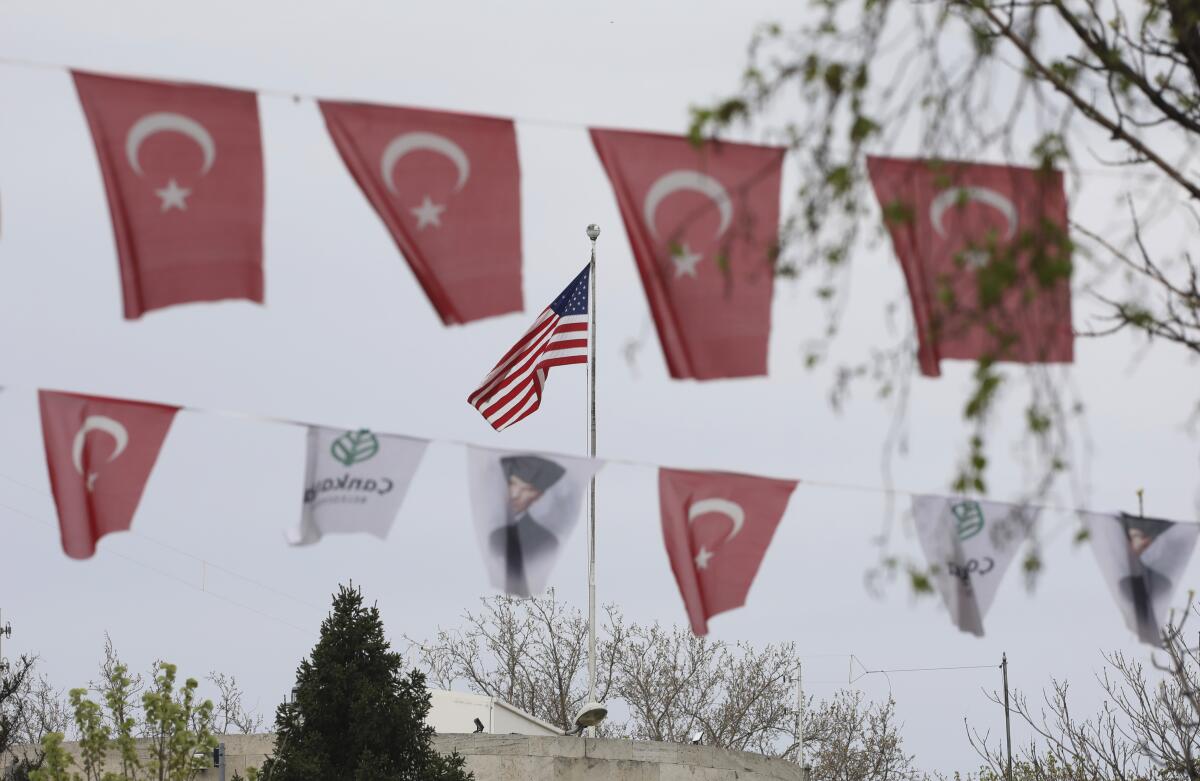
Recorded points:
523,539
1142,561
1144,585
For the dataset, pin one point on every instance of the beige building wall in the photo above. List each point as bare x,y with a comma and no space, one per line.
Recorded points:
533,758
546,758
241,751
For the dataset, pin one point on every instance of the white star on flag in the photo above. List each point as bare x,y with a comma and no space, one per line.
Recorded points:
685,261
702,558
428,213
173,196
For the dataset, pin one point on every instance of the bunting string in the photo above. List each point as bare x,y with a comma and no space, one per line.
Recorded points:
254,417
1123,172
966,567
47,523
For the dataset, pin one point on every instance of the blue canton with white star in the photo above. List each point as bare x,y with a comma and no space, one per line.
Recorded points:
573,300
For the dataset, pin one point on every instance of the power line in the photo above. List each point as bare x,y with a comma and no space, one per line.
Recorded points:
886,671
171,576
931,669
181,551
637,463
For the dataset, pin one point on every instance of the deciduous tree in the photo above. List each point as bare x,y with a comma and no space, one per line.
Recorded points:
665,684
30,709
173,721
1148,727
1108,91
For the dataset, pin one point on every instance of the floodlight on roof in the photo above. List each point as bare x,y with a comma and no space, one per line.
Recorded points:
590,715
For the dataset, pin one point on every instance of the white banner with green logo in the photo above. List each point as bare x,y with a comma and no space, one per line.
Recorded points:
969,545
355,482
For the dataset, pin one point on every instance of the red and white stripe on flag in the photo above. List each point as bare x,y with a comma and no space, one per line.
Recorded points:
512,390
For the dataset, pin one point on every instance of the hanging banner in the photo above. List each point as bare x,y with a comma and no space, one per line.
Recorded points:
717,527
525,505
969,545
355,481
703,223
100,453
963,233
1142,561
448,188
183,169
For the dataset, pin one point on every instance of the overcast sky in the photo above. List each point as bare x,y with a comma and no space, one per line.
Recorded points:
347,338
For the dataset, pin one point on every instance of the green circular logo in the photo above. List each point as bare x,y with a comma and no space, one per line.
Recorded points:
354,447
969,517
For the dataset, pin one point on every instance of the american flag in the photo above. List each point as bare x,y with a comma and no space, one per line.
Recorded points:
513,389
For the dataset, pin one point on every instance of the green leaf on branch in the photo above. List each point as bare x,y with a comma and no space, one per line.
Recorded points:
1037,420
840,178
899,212
920,582
835,76
987,383
863,128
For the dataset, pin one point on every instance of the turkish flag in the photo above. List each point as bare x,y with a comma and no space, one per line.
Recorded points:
448,187
703,223
717,526
183,169
986,256
100,452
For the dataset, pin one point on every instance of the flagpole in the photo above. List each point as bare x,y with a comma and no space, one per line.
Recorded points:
593,232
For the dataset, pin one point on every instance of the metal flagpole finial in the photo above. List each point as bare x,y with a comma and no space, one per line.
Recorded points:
593,231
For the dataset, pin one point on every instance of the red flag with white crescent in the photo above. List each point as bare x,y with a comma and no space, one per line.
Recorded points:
100,453
985,254
448,188
717,526
703,223
183,169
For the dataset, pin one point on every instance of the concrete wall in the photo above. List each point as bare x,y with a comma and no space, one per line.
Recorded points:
241,752
530,758
537,758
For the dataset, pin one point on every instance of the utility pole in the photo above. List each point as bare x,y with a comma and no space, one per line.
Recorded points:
1007,722
5,631
800,714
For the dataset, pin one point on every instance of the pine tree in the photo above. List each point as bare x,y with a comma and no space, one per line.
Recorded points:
355,715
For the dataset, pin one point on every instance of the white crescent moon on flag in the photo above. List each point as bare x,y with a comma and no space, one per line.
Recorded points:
686,179
402,144
98,423
954,195
161,122
731,510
